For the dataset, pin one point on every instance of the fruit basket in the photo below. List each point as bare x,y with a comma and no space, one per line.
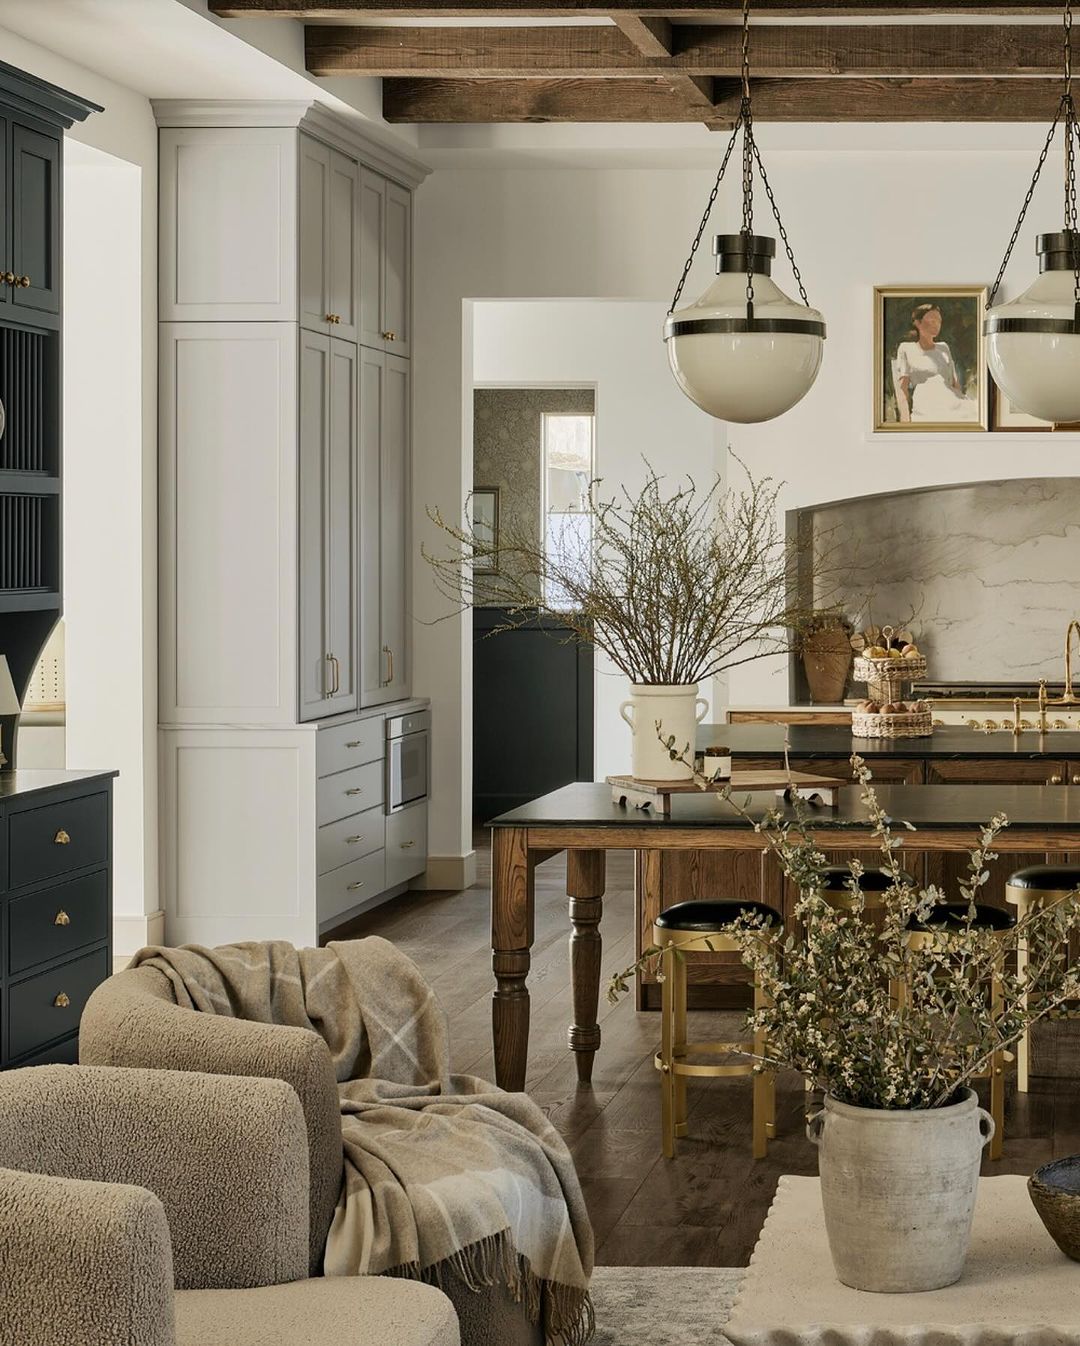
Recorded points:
892,719
886,666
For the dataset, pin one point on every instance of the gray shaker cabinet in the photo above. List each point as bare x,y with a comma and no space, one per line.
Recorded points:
384,526
328,239
385,229
328,569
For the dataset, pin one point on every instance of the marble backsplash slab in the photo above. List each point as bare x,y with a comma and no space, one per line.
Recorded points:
991,571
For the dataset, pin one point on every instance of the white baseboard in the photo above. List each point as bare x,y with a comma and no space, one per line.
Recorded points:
447,873
132,933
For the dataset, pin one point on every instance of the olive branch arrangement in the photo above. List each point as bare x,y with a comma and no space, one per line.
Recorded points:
833,1013
674,585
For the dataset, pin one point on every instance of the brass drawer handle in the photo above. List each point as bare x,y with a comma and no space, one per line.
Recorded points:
1055,780
407,845
62,1001
352,841
1076,780
61,838
356,790
356,743
352,887
61,918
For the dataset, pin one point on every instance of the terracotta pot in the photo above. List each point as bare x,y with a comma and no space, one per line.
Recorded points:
826,658
898,1190
678,710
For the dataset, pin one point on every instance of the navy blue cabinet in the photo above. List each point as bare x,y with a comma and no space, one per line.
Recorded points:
55,908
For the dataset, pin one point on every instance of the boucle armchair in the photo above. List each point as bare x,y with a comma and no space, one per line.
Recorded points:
118,1185
133,1020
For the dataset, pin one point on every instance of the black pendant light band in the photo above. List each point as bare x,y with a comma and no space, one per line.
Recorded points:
725,326
1050,326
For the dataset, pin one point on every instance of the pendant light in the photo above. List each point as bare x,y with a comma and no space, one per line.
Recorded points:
744,351
1033,343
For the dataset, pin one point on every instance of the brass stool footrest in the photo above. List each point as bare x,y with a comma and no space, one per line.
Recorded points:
681,1067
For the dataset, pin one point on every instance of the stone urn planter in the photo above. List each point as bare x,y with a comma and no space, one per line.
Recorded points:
898,1190
826,656
678,710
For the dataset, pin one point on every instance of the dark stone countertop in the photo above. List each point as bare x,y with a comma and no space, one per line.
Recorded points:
837,742
14,784
1041,808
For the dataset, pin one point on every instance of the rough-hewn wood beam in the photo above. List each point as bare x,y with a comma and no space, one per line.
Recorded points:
653,100
347,10
637,47
655,39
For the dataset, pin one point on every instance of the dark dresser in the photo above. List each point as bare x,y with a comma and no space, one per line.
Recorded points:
55,908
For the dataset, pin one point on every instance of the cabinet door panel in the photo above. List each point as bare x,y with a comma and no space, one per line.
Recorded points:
372,369
342,245
5,241
315,676
397,257
394,517
372,245
35,219
340,534
314,234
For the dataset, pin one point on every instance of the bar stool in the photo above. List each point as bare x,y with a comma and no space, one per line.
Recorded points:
873,882
1027,889
690,926
949,918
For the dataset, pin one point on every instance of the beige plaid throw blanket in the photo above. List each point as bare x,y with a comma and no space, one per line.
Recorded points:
444,1174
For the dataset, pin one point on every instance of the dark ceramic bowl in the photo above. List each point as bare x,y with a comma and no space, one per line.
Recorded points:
1055,1194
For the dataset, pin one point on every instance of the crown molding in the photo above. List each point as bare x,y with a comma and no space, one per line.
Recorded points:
342,133
48,102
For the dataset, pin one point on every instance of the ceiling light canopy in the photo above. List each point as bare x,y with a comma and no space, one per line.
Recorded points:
744,352
1033,343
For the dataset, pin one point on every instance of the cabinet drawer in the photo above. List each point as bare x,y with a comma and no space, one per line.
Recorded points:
350,838
57,921
34,1017
347,887
58,838
349,745
349,792
406,844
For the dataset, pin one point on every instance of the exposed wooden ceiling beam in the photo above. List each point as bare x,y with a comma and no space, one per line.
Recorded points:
637,47
654,39
350,10
654,100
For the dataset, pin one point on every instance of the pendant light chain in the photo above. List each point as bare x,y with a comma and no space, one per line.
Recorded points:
751,157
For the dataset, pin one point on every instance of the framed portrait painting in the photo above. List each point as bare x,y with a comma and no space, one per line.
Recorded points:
929,359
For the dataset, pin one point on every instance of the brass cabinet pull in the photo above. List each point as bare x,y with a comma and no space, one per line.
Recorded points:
333,317
24,282
389,336
62,1001
407,845
356,790
352,841
7,277
389,665
61,838
1076,780
1055,780
352,887
335,669
61,918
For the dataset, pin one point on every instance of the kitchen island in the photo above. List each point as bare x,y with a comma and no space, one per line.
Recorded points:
582,820
835,743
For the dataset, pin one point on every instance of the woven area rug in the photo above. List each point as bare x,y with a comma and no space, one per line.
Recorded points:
663,1306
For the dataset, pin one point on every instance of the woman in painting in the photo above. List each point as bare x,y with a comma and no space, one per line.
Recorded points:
927,383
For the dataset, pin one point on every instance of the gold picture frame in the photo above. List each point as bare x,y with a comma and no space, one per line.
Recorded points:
949,378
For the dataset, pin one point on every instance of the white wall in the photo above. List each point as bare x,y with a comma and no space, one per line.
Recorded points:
879,214
640,414
110,500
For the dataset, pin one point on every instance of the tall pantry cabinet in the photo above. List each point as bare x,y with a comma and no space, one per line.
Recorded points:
285,324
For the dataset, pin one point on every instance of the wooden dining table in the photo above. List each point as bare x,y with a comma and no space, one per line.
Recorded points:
583,821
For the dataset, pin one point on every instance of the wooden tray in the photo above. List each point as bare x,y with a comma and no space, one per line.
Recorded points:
643,794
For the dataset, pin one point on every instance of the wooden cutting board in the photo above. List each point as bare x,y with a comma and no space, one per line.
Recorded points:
640,794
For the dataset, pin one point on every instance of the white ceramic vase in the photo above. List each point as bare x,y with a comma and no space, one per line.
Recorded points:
678,710
898,1190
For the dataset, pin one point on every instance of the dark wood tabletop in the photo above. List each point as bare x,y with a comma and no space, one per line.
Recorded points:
837,742
1037,808
34,779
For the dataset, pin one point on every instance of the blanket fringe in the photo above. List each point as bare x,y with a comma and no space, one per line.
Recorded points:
569,1318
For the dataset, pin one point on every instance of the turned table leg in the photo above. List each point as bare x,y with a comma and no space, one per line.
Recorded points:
585,888
511,942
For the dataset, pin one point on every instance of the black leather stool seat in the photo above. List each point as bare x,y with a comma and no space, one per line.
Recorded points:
1047,878
712,917
836,878
953,915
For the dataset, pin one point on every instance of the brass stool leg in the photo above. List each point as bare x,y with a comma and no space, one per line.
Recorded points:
997,1071
669,965
764,1090
679,979
1023,1046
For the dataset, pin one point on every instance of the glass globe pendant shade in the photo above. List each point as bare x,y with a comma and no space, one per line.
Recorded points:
1033,343
739,365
